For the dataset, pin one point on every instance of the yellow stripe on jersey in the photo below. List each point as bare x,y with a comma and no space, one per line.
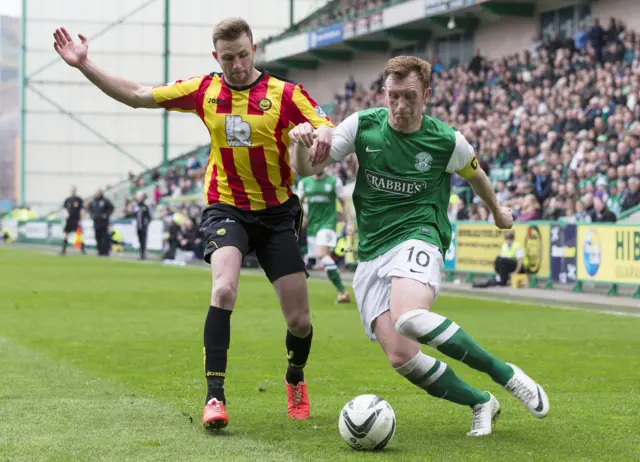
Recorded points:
275,90
469,170
242,160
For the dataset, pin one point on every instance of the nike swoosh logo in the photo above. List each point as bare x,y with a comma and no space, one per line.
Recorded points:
372,150
540,404
414,271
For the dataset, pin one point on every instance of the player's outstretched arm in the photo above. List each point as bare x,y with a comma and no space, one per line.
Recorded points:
464,163
482,186
342,143
307,139
76,55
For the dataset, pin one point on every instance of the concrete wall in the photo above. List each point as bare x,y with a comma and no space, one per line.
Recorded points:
329,78
627,10
507,36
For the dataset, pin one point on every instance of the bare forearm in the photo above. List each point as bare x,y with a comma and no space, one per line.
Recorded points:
125,91
518,266
484,189
301,162
346,212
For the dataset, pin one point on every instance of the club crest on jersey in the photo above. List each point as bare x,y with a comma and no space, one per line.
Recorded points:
327,188
423,161
265,104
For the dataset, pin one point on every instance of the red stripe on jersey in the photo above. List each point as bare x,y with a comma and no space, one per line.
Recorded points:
283,122
185,103
234,182
202,90
293,111
224,104
261,174
256,94
213,196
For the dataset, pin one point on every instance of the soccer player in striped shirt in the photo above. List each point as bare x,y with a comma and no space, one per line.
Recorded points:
248,189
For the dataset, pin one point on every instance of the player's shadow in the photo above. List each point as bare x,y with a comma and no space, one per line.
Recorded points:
222,433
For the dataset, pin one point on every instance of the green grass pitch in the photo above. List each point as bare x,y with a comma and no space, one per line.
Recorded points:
102,360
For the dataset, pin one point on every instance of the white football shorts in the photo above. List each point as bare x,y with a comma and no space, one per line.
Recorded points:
413,259
325,237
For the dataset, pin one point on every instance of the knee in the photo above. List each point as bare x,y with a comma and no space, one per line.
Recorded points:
399,357
299,323
224,294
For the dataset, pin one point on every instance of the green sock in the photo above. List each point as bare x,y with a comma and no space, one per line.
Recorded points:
446,336
465,349
336,280
439,380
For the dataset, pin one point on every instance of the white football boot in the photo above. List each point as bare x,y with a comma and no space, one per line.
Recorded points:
484,415
528,392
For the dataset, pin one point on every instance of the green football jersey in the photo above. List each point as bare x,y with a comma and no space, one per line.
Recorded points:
320,195
403,184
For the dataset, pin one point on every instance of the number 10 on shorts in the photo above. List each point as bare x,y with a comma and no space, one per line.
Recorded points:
420,257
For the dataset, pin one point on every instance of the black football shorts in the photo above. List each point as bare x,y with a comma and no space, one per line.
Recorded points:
272,233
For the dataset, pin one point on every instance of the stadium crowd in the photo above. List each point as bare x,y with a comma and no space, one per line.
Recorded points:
557,126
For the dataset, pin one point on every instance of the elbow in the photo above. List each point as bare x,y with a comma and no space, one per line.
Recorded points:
137,98
134,101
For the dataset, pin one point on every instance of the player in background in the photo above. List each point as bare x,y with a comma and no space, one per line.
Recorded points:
73,209
248,190
320,192
400,197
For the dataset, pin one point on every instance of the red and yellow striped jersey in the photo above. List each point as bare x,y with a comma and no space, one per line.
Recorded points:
249,165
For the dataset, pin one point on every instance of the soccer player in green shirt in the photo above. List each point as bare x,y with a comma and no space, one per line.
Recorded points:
402,190
320,192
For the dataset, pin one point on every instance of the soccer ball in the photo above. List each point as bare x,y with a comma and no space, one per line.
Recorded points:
367,423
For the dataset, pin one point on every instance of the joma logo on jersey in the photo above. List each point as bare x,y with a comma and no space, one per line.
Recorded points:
393,185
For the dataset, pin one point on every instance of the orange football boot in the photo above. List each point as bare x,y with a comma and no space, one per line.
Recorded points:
215,415
297,400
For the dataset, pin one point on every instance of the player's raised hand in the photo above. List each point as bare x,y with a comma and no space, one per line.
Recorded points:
321,145
504,219
73,53
303,134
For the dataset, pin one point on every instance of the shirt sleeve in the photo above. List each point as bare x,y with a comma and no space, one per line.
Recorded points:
519,253
305,109
340,192
181,95
463,160
343,141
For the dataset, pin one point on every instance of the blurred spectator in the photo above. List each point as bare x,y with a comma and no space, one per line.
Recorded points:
600,212
631,197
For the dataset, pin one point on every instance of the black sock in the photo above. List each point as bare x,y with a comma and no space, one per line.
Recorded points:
297,354
64,246
217,334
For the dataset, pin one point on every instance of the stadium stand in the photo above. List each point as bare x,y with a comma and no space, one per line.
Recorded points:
556,126
333,13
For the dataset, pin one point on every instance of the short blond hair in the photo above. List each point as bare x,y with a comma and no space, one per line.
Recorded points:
401,67
231,29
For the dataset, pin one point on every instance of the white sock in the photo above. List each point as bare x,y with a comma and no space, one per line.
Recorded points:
426,327
328,263
422,370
